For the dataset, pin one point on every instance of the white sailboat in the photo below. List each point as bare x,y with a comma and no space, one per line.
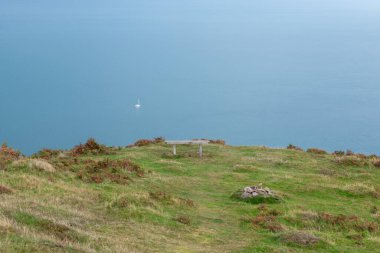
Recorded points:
138,105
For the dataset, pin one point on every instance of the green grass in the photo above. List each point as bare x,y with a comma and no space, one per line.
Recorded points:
184,204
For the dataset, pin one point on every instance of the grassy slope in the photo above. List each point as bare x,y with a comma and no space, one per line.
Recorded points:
56,212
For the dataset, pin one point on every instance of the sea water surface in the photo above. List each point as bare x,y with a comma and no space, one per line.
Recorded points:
252,72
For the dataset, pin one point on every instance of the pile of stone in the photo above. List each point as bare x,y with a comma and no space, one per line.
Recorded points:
256,191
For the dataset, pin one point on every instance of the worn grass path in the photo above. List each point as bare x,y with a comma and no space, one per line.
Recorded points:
184,204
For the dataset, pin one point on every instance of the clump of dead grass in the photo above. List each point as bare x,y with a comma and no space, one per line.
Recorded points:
5,190
167,198
267,219
376,163
340,222
299,238
184,219
360,189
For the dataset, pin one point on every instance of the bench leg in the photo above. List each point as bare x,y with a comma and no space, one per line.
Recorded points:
200,150
174,150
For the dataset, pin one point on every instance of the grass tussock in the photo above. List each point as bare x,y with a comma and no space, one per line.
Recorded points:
35,164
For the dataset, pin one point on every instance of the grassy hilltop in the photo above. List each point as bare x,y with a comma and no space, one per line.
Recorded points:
142,199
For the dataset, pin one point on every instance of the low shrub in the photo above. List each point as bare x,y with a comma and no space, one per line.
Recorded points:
339,153
146,142
90,147
116,171
316,151
8,155
46,153
293,147
143,142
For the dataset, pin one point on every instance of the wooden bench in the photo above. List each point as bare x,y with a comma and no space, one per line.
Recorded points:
192,142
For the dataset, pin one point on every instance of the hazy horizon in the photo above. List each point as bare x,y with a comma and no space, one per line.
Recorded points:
250,72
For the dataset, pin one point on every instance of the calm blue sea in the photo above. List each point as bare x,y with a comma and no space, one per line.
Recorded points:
252,72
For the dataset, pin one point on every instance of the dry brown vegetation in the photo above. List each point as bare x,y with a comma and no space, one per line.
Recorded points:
116,171
351,161
35,164
293,147
183,219
316,151
5,190
146,142
90,147
376,163
300,238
